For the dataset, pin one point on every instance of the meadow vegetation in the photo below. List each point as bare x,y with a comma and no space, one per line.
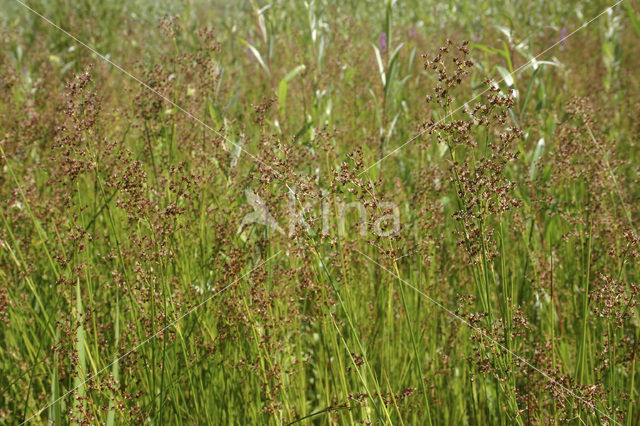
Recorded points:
138,137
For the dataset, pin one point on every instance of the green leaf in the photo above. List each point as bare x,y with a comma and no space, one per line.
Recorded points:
297,70
383,77
81,351
257,56
527,96
507,77
389,75
507,55
633,16
283,87
487,49
55,412
387,23
215,114
535,64
115,369
536,156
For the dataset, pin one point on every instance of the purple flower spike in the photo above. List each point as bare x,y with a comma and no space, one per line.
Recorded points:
563,35
383,42
412,35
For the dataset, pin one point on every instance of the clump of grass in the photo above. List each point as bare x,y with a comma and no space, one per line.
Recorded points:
133,289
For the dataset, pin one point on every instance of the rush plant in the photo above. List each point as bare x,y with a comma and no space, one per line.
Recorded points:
319,212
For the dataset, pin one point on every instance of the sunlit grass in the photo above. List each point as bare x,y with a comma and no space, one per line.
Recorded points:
133,288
